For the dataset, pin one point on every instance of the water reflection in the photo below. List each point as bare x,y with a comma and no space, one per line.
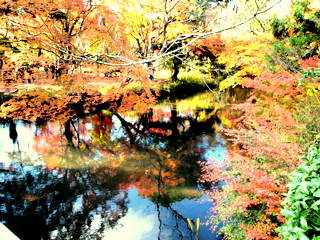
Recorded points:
105,175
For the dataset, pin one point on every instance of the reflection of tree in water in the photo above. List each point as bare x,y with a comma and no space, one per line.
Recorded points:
65,204
180,146
164,175
174,132
82,191
13,131
177,139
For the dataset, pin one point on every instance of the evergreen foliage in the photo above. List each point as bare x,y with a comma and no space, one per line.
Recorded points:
302,204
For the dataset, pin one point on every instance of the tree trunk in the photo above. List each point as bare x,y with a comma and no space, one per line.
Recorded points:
176,66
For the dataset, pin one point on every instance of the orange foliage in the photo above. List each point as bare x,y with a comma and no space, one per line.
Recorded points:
156,179
212,44
262,230
264,151
62,44
313,62
278,84
244,59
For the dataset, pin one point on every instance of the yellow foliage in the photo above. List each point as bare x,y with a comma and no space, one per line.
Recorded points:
244,59
154,21
226,122
200,101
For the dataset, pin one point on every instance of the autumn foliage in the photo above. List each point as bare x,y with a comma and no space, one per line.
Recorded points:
244,59
51,55
251,183
265,149
68,58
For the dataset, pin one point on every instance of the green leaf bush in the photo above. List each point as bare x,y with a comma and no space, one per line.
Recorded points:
297,36
302,205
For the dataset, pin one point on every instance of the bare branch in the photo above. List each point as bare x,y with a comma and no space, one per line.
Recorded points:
195,36
165,51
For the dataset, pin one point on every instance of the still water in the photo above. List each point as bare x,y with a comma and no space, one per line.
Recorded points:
108,176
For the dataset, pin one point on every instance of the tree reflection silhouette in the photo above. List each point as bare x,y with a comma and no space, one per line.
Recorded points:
65,203
81,189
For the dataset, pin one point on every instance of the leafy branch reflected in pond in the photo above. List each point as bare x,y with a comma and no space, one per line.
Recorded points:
65,203
75,184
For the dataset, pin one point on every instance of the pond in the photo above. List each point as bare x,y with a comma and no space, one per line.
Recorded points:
108,176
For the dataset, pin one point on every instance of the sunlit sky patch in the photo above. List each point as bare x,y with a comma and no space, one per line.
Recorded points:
138,223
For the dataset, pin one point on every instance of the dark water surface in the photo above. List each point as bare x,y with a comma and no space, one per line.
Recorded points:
108,176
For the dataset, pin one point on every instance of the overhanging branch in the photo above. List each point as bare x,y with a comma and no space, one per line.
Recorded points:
194,36
167,52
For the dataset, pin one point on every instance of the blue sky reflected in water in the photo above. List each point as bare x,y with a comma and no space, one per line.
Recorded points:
155,211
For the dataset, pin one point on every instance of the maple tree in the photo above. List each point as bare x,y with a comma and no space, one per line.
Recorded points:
152,25
264,152
244,59
157,28
72,42
65,36
64,28
161,26
250,184
54,39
